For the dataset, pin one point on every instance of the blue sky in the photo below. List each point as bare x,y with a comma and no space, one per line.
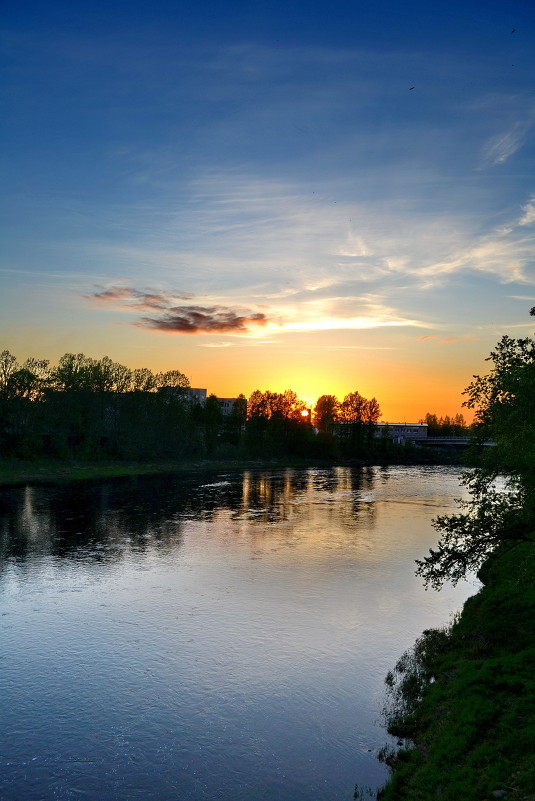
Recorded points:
273,195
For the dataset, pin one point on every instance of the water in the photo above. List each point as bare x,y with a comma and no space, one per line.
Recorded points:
223,637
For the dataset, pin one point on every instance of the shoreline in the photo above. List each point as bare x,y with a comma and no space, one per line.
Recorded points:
468,733
15,472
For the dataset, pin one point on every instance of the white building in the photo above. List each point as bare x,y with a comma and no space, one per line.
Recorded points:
401,433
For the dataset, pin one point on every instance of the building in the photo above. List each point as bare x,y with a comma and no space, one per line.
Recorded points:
226,405
402,433
197,394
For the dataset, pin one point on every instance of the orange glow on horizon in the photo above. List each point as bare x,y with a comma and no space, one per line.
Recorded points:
408,380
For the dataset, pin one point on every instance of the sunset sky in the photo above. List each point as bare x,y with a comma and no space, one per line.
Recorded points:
319,196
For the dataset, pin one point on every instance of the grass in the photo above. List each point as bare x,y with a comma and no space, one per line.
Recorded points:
473,726
47,471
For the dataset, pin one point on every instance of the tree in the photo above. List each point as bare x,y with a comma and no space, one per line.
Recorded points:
8,366
234,423
493,520
353,408
326,413
212,419
284,406
172,378
445,426
143,380
372,412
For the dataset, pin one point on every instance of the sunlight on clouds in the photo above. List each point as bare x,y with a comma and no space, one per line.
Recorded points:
528,218
261,256
503,252
339,323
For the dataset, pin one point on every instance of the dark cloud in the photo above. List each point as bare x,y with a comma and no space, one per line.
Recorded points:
203,319
165,315
137,298
114,293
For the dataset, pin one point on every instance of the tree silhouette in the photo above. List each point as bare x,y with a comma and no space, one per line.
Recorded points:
492,519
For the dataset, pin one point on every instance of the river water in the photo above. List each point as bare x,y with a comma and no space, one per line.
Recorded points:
217,637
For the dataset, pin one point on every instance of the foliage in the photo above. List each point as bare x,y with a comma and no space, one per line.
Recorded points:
492,518
268,405
277,424
98,409
503,404
445,426
356,409
465,696
326,413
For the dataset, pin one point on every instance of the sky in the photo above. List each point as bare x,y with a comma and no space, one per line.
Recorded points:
308,196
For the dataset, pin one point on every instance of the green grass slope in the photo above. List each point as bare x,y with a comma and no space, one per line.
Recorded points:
466,696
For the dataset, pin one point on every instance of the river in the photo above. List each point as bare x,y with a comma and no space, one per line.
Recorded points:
223,636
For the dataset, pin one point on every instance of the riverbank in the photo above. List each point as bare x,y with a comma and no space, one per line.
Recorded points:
16,472
466,697
47,471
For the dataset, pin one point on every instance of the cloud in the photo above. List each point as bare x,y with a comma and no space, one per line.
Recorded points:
346,323
136,298
504,252
171,318
529,212
357,347
500,148
447,340
202,320
265,256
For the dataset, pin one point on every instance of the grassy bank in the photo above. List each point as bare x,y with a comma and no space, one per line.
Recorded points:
46,471
466,697
15,471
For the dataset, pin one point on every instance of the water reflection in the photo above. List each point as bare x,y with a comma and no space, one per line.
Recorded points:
221,636
148,512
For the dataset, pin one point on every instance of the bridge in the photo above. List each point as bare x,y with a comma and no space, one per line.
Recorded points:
451,442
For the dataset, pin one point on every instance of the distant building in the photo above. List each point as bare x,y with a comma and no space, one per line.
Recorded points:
226,404
402,433
198,395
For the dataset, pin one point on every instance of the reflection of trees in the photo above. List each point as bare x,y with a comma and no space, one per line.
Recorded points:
87,518
101,521
271,497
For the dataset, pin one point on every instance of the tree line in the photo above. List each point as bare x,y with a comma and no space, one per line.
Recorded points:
455,426
89,408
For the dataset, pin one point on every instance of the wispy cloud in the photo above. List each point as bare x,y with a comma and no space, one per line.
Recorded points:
135,298
447,340
528,217
345,324
357,347
272,258
504,252
500,148
324,314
